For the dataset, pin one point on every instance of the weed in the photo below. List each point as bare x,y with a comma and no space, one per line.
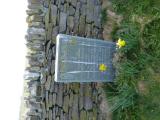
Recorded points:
104,16
135,94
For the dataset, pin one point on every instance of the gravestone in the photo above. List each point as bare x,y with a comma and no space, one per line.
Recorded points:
81,59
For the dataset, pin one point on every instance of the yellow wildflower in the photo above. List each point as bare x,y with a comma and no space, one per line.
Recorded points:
121,43
102,67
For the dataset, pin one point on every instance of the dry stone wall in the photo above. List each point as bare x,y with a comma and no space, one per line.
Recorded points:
46,99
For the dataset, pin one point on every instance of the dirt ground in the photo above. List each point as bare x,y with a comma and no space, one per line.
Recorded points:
112,20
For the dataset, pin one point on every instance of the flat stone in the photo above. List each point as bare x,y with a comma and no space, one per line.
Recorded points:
95,113
74,2
33,12
83,1
88,97
36,24
47,18
90,115
75,113
54,34
62,115
31,63
54,51
43,110
34,37
82,25
34,52
56,87
57,118
66,7
70,22
33,89
35,6
71,99
49,56
83,9
81,98
33,105
48,47
76,18
50,99
38,91
32,112
88,30
71,10
37,57
34,30
34,18
63,22
90,11
60,95
46,3
62,1
35,1
52,85
61,8
95,95
43,76
88,103
95,32
31,75
49,31
50,115
47,100
32,46
33,118
87,90
53,67
48,83
97,18
54,98
54,13
53,113
66,104
83,115
75,87
33,69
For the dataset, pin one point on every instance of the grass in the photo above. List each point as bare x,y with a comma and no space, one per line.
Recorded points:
136,93
103,16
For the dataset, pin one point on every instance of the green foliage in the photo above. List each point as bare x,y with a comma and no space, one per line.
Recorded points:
139,61
104,16
140,7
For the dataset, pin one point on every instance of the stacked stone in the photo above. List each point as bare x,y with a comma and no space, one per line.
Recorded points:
35,58
49,100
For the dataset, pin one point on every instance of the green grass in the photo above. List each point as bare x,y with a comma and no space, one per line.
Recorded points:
103,16
136,93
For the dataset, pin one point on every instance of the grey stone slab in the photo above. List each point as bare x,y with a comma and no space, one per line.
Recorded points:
78,59
63,22
54,13
97,12
74,2
70,22
60,96
90,11
71,10
33,31
31,75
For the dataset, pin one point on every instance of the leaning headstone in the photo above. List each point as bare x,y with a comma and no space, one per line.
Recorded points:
81,59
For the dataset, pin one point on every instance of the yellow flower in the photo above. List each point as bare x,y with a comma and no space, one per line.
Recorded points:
121,43
102,67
